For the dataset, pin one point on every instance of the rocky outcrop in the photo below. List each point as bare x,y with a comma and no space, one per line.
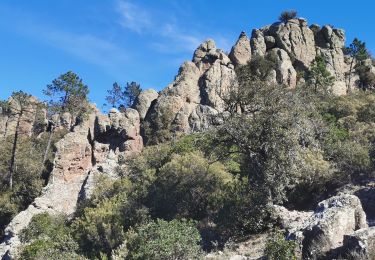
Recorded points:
144,100
285,72
324,231
241,51
362,242
199,84
93,147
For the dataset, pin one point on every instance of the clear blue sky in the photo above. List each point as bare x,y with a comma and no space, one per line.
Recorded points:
104,41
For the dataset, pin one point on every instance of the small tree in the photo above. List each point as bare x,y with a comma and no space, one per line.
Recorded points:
116,96
358,53
20,105
319,77
285,16
131,92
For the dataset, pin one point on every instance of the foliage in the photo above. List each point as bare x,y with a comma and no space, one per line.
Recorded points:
177,239
48,237
68,93
366,77
319,77
131,92
185,187
277,248
115,96
101,226
241,210
285,16
358,53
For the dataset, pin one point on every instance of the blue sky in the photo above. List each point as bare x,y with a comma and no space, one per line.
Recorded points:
104,41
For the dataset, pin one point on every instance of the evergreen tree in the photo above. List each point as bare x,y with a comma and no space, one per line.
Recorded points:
319,77
131,92
358,53
21,104
115,96
68,94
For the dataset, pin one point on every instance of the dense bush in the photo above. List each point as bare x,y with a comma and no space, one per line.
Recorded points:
186,187
48,237
177,239
277,248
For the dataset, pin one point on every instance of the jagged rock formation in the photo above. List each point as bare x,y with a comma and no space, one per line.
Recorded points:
91,148
195,98
241,51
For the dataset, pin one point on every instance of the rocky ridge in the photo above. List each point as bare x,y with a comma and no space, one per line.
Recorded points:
192,102
195,98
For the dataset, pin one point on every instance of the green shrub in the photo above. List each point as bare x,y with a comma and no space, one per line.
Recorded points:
277,248
241,210
285,16
177,239
48,237
102,226
185,187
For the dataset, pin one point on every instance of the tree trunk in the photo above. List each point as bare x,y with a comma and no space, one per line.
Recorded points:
14,151
350,76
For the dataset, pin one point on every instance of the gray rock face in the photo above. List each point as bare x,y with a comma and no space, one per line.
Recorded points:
203,81
144,100
241,51
258,44
210,75
285,72
296,39
333,219
361,241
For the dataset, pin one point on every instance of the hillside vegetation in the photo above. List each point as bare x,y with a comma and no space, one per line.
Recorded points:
186,194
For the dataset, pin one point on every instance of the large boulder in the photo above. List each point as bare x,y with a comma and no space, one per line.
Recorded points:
120,131
361,241
144,100
215,85
241,51
334,218
257,42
